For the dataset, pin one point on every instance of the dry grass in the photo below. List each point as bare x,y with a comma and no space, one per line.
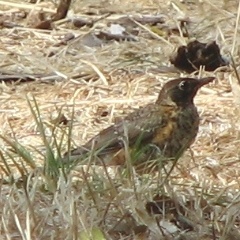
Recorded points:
120,77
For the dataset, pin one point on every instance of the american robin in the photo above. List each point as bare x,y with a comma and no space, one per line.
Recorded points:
152,134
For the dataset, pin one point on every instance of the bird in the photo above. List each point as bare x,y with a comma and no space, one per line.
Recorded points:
150,136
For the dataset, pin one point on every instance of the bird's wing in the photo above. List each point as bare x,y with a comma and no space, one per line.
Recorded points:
137,126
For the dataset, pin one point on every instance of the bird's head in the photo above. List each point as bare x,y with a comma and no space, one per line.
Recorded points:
181,91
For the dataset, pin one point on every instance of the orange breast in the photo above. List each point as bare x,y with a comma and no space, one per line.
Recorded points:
178,133
163,134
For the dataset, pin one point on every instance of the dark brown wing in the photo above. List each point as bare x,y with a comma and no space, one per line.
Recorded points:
137,126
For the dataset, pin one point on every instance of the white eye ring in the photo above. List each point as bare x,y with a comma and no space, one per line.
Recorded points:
182,85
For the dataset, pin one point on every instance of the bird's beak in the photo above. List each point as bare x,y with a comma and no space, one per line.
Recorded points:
204,81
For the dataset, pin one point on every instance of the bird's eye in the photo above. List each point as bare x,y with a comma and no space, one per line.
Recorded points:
182,85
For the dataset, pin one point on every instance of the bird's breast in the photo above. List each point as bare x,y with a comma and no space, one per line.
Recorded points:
178,133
